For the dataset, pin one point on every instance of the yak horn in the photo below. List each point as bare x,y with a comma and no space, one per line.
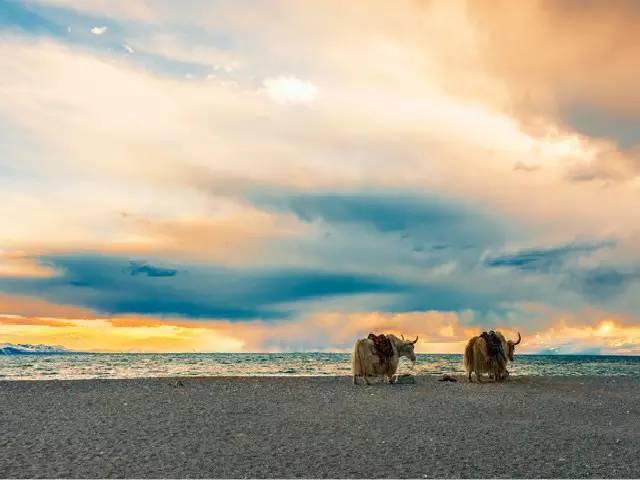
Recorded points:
402,336
519,339
415,341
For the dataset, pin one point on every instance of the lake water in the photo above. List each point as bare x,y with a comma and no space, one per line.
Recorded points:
127,365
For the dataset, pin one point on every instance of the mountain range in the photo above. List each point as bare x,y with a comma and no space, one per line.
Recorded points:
27,349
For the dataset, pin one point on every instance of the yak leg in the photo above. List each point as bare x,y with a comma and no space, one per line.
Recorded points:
470,372
366,379
479,377
355,379
491,370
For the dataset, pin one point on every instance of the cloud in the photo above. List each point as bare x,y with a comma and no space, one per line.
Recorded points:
117,9
27,321
137,268
406,167
565,54
439,332
240,236
18,264
544,260
290,90
423,218
113,285
16,15
333,331
597,334
607,164
523,167
558,97
124,335
128,48
596,122
32,306
593,270
604,283
98,30
355,142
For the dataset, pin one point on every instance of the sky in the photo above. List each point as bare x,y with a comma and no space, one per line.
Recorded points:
246,175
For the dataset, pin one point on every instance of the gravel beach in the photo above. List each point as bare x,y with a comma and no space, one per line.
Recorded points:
320,427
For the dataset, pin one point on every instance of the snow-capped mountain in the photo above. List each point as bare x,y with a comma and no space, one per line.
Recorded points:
26,349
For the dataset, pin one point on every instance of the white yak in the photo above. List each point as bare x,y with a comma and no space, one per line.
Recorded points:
366,361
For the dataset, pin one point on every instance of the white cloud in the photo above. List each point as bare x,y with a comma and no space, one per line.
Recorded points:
128,48
289,90
367,110
98,30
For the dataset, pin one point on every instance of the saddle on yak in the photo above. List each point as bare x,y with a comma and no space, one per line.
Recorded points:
494,344
382,346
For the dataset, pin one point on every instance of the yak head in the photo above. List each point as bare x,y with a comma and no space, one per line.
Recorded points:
405,348
511,347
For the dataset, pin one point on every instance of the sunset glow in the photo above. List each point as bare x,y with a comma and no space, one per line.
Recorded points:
187,177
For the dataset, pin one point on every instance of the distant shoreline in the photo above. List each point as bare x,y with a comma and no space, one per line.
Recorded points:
307,353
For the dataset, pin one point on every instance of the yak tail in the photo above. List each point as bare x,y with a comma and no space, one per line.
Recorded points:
468,356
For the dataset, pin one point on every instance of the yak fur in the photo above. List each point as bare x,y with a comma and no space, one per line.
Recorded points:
478,361
365,361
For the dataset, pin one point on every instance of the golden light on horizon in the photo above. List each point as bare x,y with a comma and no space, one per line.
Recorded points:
437,334
605,328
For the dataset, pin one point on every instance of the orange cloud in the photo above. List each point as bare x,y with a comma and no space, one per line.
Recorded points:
234,237
604,336
26,306
549,53
329,331
49,322
19,264
238,236
438,332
